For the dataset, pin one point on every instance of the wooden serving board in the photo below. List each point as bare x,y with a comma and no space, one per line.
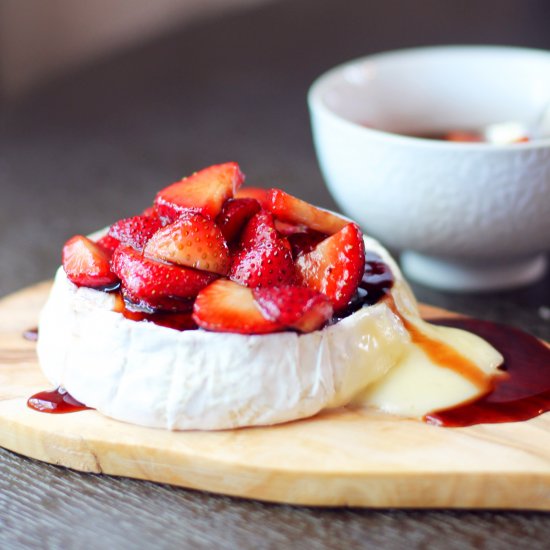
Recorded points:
342,458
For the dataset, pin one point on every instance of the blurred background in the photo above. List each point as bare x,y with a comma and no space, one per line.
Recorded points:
103,102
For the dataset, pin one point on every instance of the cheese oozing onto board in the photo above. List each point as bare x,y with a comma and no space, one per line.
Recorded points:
155,376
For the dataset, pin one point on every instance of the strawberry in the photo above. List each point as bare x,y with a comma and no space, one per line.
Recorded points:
137,306
135,231
156,284
234,214
108,243
192,241
259,230
335,266
295,307
296,211
301,243
203,192
266,264
287,229
253,193
225,306
87,263
149,212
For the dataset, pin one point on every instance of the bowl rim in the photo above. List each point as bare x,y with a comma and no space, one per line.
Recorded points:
316,103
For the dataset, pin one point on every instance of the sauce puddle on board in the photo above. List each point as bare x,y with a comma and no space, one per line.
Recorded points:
523,394
56,401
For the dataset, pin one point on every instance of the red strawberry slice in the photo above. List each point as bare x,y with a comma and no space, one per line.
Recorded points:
203,192
192,241
302,243
234,215
157,284
108,243
87,264
335,266
253,193
137,308
266,264
259,230
135,231
149,212
295,307
225,306
287,229
296,211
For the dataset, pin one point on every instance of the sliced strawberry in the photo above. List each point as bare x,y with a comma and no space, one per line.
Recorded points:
157,284
153,305
135,231
225,306
295,307
253,193
87,264
108,243
335,266
203,192
259,230
302,243
234,215
149,212
192,241
287,229
266,264
296,211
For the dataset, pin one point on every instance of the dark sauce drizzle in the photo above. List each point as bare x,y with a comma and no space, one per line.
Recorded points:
31,334
57,401
377,281
181,320
523,394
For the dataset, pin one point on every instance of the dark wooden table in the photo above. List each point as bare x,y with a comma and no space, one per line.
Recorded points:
95,145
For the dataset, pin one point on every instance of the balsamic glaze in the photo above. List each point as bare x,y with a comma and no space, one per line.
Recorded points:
446,356
134,312
376,283
31,334
57,401
113,287
523,394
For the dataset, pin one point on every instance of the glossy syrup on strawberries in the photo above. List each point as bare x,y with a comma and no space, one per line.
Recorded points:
521,395
376,282
174,320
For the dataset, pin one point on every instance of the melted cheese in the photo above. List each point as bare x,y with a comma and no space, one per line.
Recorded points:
155,376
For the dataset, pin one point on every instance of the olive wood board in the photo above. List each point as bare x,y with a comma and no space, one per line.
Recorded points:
339,458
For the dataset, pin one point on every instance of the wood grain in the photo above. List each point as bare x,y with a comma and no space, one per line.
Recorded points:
345,457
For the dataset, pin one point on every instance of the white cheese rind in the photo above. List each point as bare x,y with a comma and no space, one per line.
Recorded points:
155,376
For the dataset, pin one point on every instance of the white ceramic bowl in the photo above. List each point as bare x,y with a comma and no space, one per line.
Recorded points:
467,216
